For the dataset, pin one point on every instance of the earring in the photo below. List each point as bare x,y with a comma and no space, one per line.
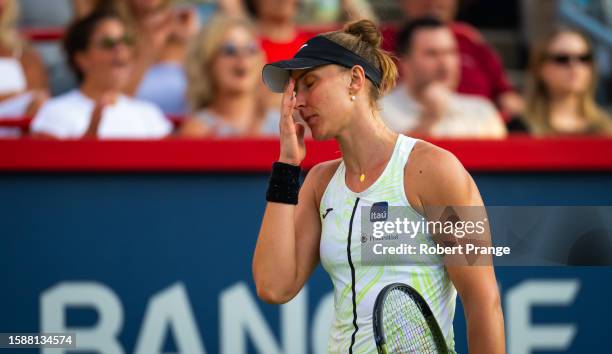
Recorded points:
353,98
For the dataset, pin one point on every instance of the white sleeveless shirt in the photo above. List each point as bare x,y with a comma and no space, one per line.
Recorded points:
355,285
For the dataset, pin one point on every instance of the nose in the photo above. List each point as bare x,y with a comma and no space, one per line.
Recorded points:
300,99
122,50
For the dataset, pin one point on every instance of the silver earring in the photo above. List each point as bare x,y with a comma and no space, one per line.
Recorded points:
353,98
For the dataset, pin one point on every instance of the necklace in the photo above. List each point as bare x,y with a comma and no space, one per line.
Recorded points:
362,178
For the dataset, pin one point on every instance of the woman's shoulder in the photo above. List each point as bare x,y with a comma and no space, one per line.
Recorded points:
426,153
431,166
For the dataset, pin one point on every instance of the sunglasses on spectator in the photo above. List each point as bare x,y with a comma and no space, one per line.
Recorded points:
112,43
567,59
233,50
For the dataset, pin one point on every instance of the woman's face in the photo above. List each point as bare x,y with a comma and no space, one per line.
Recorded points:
237,66
323,99
567,68
107,60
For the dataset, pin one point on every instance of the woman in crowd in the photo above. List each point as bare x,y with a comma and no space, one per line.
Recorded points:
162,32
225,90
99,51
280,35
561,86
23,87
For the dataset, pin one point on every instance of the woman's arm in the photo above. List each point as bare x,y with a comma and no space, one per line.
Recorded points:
477,288
444,182
287,248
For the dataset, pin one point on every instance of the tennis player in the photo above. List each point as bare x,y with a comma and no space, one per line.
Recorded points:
334,82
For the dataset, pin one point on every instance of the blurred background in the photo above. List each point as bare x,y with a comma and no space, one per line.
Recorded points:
136,138
543,65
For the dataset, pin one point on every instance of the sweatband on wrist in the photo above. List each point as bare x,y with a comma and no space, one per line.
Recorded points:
284,184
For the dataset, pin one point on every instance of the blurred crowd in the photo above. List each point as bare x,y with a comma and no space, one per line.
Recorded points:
161,68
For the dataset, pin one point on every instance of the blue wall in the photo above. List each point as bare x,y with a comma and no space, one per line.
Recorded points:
140,234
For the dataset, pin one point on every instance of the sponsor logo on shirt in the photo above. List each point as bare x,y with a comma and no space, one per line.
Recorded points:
379,212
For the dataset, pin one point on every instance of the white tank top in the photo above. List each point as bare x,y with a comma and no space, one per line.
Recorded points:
355,285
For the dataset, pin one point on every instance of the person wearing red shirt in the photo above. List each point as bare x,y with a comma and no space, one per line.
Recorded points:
280,36
482,72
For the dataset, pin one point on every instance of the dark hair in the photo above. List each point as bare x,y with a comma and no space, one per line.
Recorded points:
406,34
78,37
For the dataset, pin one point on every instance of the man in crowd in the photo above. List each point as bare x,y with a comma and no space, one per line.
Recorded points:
482,72
426,102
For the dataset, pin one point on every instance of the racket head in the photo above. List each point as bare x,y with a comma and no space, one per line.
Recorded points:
429,340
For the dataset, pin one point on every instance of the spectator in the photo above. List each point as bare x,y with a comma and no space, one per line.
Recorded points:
162,32
482,72
426,103
276,21
23,87
280,36
224,71
561,86
99,52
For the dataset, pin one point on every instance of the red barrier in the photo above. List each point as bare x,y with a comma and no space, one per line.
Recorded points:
43,34
181,155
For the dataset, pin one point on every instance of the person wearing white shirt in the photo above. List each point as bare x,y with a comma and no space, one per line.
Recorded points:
426,103
99,52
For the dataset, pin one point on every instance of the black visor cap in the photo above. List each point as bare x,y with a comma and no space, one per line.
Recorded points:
316,52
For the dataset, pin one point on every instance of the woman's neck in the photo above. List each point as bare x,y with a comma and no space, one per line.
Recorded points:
277,31
174,52
566,105
366,144
565,115
96,93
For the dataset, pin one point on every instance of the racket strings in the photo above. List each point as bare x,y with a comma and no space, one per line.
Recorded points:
407,330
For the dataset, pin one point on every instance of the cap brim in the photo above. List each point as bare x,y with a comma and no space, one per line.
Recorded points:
276,75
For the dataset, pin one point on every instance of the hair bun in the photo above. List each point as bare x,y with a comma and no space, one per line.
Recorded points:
366,30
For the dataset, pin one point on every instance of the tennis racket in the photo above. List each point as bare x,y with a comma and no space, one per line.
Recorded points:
404,323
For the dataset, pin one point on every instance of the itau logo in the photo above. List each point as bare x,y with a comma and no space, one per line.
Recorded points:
379,212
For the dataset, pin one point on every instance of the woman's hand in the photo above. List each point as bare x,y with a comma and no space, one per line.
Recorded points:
293,149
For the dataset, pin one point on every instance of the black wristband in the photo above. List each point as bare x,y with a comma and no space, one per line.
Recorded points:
284,184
